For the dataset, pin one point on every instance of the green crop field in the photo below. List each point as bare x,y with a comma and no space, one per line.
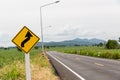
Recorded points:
12,65
90,51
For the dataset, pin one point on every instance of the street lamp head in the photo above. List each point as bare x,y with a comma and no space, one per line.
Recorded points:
57,1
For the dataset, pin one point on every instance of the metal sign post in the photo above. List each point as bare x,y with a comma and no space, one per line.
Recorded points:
27,64
25,40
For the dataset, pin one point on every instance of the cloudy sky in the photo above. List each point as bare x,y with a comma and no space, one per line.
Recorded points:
66,20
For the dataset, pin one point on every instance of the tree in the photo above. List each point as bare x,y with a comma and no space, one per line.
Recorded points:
36,47
19,49
100,44
112,44
119,39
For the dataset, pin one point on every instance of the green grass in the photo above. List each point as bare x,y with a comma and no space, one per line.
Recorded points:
12,65
8,56
90,51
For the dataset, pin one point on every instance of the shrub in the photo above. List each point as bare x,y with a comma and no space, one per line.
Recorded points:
36,47
115,56
19,49
112,44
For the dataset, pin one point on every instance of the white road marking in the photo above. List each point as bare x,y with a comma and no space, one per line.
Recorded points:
77,58
98,64
67,67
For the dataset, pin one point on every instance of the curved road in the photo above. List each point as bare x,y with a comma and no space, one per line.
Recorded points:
77,67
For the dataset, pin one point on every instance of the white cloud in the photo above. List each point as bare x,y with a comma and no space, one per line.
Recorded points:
5,40
68,19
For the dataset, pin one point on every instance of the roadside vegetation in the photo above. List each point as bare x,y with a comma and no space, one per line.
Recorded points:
94,51
12,65
110,49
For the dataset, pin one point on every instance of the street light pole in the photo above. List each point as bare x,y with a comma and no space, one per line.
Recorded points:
41,29
42,24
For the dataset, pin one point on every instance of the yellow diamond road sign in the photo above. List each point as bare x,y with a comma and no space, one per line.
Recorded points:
25,39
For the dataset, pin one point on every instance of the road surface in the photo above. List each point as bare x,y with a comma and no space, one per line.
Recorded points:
77,67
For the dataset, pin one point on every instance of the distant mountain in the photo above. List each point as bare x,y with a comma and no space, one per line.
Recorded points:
74,42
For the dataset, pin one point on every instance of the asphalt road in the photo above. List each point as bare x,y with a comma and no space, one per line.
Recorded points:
77,67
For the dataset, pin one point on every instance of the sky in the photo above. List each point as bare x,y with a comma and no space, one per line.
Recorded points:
66,20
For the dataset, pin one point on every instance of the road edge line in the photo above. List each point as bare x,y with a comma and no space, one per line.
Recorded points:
67,67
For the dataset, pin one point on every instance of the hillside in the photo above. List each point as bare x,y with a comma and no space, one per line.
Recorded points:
73,42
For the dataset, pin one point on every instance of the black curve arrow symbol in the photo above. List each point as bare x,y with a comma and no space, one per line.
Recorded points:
28,35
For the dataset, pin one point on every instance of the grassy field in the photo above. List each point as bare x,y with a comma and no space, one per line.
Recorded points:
90,51
12,65
12,61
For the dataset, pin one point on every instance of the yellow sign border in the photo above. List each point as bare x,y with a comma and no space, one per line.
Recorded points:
19,46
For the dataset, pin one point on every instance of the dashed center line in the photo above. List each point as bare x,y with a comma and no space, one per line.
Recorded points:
77,58
98,64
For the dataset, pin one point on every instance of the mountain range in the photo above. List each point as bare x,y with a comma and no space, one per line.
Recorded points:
74,42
